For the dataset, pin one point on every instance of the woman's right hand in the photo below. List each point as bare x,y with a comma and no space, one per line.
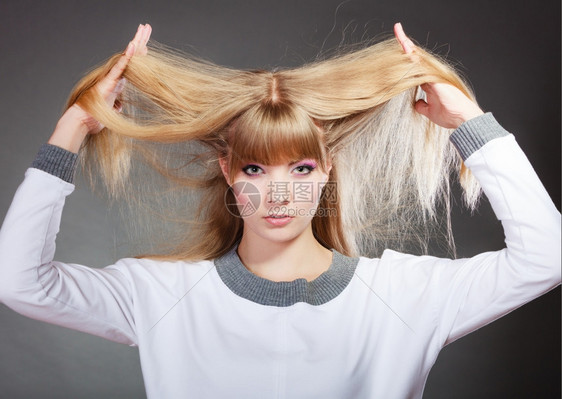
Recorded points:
445,105
75,124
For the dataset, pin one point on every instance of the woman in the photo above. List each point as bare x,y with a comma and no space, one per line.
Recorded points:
278,300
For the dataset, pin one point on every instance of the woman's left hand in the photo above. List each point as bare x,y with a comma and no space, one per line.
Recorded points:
445,105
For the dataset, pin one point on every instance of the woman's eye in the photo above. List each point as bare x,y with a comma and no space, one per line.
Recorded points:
303,169
252,170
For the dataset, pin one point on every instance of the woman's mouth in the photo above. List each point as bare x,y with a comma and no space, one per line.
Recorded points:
278,220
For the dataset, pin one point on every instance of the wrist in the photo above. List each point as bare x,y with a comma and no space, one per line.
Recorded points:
475,133
470,114
71,130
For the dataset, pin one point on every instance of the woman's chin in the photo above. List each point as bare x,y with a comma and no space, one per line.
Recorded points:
276,230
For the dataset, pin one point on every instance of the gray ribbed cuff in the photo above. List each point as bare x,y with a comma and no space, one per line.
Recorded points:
56,161
474,133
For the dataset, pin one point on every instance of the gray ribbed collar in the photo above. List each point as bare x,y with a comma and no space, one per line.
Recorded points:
257,289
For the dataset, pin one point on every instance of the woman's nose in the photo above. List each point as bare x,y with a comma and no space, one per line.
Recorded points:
278,192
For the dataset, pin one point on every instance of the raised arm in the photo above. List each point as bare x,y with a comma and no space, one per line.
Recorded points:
473,292
97,301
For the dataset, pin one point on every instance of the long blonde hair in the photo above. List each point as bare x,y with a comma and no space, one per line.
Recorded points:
391,166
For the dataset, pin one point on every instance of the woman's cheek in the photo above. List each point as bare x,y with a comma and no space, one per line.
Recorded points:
247,196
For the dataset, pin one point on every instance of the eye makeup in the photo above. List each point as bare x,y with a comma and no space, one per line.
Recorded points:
252,170
305,167
302,167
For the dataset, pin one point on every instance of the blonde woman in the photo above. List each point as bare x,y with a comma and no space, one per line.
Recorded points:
280,284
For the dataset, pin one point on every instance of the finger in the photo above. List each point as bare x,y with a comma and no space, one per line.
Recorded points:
141,38
405,42
117,70
138,34
422,107
145,36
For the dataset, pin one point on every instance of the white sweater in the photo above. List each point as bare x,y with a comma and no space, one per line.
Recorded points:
367,328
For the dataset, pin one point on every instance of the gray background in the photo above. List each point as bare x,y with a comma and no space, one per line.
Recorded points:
510,50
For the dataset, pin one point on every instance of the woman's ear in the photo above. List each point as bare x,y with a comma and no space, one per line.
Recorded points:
223,162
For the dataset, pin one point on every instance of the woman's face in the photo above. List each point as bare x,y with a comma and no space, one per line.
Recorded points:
278,202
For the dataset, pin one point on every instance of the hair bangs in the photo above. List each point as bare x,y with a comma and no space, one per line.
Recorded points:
275,133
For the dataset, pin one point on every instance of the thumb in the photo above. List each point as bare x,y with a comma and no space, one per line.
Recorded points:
422,107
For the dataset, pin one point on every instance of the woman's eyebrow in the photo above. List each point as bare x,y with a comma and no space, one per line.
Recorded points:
301,160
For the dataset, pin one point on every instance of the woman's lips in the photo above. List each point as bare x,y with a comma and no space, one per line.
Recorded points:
280,220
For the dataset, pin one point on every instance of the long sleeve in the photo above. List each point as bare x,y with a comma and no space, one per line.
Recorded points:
448,298
476,291
97,301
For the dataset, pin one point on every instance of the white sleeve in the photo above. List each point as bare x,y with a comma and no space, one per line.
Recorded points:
473,292
97,301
